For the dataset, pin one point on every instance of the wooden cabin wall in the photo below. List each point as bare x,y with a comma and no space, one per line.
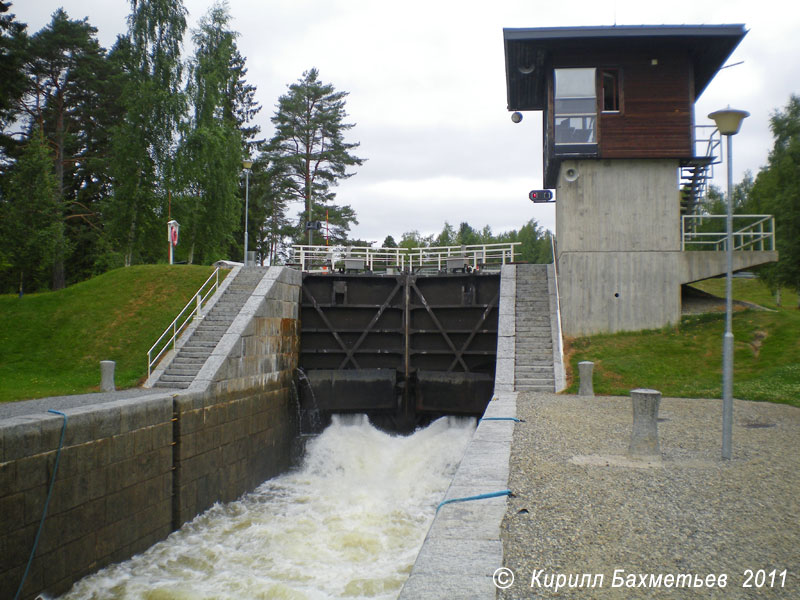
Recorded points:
656,120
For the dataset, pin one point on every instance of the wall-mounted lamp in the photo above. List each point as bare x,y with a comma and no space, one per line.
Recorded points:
516,117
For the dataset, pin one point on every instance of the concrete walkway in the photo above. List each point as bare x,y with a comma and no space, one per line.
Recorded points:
9,410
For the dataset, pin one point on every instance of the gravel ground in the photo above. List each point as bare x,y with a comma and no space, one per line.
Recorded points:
581,507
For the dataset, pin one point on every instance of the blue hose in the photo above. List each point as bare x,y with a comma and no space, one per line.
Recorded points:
46,503
478,497
515,419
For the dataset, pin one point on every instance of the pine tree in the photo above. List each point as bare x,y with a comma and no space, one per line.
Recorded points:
309,145
12,77
29,216
63,67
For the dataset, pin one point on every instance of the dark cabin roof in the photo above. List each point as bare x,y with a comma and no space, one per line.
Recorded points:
529,51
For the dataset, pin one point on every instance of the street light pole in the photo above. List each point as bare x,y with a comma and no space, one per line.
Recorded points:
247,165
728,122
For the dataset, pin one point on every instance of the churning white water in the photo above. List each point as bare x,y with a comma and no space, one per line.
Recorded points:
347,524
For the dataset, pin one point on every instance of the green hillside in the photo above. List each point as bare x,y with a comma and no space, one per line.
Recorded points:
52,343
686,361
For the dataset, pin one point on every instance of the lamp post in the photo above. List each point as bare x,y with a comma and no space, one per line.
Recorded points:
728,122
247,164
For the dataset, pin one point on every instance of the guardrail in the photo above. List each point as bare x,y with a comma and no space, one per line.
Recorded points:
182,320
709,232
321,259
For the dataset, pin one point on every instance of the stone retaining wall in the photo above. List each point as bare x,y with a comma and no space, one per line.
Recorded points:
112,496
131,471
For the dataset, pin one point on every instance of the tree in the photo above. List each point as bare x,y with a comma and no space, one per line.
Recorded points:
12,76
777,190
144,140
214,138
64,74
268,209
310,147
389,242
447,237
29,217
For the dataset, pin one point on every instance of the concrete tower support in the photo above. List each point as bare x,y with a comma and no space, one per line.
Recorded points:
619,253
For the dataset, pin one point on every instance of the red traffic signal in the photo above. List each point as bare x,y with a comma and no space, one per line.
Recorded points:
541,195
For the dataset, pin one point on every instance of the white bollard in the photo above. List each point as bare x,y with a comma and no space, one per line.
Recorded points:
107,375
585,372
644,436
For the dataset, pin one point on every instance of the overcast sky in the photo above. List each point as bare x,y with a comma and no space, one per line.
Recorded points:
427,90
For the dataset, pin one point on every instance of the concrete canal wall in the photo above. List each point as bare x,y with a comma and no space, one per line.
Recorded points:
131,471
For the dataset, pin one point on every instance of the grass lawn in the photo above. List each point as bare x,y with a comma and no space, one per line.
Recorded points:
686,361
52,343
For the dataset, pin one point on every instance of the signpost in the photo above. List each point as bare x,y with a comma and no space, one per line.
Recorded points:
172,236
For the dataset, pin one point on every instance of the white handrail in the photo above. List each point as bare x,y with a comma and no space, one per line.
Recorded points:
198,299
745,237
477,256
558,304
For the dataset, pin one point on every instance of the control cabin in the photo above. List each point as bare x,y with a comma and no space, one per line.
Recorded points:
615,92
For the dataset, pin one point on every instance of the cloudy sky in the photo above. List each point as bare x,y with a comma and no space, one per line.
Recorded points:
427,90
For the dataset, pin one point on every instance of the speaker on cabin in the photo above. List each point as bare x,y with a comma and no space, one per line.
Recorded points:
571,174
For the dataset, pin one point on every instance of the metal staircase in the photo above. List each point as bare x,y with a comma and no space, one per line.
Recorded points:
534,370
191,357
698,171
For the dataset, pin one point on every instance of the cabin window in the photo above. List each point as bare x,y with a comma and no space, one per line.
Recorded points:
575,106
610,90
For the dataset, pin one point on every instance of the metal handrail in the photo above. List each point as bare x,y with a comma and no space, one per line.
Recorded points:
197,301
477,255
558,301
760,232
316,259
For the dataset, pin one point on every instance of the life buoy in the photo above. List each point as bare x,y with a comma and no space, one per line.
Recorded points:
174,236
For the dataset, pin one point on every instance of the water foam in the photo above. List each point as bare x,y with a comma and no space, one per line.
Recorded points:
347,524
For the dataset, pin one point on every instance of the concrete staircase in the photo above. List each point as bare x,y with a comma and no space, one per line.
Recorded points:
193,354
533,369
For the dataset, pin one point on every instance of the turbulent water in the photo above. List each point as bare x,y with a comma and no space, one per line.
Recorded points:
347,524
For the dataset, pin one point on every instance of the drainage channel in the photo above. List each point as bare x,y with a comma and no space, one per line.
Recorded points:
347,523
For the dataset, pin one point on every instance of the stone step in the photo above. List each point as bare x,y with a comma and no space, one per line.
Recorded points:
185,363
193,344
533,305
167,378
526,362
534,333
540,333
531,341
182,370
184,353
528,383
535,368
213,328
534,388
532,351
179,385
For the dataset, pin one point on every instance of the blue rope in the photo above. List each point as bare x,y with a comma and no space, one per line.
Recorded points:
46,503
516,420
478,497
